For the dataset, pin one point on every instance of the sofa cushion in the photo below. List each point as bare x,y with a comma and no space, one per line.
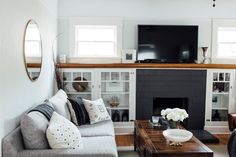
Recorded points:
79,114
101,146
96,110
33,128
59,102
93,147
61,133
105,128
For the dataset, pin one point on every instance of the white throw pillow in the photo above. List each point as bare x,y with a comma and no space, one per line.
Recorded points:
59,102
62,133
96,110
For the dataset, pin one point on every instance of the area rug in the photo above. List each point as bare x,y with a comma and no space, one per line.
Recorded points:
219,151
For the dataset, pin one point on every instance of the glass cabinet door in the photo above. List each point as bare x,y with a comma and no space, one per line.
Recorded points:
78,84
220,96
116,94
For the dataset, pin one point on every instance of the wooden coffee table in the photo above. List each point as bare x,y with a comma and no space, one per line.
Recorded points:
150,142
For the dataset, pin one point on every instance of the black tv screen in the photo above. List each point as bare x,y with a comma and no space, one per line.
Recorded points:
167,43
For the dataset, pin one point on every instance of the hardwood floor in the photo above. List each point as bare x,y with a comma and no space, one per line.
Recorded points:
124,140
223,139
128,140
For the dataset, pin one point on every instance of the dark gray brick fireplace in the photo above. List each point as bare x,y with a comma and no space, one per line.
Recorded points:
166,83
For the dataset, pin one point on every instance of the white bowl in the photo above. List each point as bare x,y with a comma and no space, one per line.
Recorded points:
177,135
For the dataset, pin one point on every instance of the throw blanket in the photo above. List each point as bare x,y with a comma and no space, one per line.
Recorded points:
45,109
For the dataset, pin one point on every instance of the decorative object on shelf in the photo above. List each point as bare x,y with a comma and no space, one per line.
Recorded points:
116,116
174,116
80,86
128,56
221,77
177,136
206,60
62,58
125,116
214,99
216,116
114,101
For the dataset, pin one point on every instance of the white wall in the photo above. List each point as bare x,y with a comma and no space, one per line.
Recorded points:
133,12
148,8
17,92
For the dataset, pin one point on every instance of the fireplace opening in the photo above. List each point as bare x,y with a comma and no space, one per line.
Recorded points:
163,103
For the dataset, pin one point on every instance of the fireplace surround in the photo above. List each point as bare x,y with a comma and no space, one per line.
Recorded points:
186,86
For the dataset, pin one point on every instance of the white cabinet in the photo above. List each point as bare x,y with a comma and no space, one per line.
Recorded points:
219,99
115,86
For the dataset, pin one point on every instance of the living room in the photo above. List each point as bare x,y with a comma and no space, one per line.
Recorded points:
94,49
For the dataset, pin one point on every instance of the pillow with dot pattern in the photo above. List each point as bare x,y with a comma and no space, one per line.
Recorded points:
61,133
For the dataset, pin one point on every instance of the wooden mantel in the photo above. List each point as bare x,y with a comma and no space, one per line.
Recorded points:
149,65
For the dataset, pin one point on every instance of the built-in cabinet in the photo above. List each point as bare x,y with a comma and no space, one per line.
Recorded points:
219,98
115,86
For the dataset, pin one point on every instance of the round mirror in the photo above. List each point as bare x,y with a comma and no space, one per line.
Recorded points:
32,50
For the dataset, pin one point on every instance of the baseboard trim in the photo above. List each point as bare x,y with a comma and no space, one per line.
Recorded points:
217,129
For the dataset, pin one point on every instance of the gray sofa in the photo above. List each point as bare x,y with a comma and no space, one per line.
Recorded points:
98,140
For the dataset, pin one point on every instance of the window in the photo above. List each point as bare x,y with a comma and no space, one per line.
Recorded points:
96,41
226,44
224,41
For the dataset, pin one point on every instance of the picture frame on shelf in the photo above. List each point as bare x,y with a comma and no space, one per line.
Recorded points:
129,55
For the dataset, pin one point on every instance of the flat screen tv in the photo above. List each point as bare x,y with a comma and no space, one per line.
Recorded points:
167,43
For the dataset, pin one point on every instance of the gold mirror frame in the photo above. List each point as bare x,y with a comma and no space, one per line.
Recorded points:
36,61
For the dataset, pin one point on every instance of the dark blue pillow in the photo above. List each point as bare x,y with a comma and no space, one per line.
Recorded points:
80,111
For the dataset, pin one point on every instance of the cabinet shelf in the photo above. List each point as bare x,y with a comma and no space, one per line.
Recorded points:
220,93
111,93
118,108
77,93
75,81
219,108
115,81
221,81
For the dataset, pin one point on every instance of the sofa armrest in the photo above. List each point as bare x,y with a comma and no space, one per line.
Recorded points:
12,144
232,121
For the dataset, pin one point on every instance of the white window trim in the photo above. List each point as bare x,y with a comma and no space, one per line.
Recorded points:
95,21
216,23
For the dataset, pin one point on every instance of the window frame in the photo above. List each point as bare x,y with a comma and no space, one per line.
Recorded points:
216,24
113,27
106,21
